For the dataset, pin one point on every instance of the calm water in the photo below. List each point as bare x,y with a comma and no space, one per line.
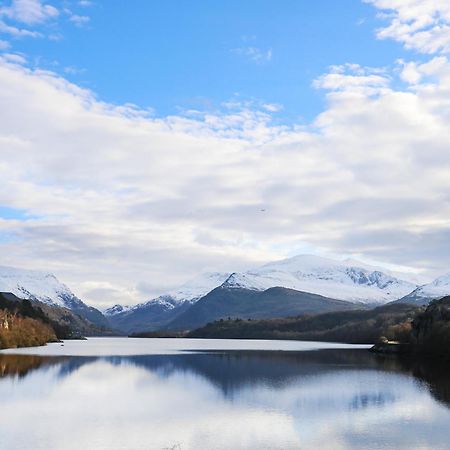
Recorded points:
203,395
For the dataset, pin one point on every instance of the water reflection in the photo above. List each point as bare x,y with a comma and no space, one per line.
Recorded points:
18,365
330,399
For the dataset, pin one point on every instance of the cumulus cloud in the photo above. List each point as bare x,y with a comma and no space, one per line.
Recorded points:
422,25
119,200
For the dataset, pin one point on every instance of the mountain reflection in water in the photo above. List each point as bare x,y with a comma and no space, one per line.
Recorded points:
328,399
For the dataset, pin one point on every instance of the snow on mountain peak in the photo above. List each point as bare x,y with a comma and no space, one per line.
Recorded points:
199,286
116,309
343,280
438,288
36,285
444,280
190,291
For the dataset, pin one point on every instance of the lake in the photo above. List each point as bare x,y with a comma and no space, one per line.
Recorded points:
195,394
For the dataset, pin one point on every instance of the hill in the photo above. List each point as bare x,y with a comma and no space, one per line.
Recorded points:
64,322
358,326
22,325
431,329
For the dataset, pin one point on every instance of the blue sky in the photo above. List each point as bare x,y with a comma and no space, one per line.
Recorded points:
260,130
176,55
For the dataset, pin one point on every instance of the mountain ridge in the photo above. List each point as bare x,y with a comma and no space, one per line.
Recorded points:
354,282
44,287
422,295
346,281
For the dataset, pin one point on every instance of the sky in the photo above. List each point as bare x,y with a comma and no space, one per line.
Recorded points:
142,144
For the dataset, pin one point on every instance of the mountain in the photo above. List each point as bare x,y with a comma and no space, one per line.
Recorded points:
422,295
238,302
158,312
116,309
311,284
45,288
303,284
151,315
199,286
348,280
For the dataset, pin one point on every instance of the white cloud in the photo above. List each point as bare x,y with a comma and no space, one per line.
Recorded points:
254,54
35,15
355,78
71,70
125,200
79,20
422,25
16,31
409,72
30,12
14,58
272,107
4,45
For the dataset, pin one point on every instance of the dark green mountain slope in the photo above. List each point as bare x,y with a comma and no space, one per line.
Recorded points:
224,302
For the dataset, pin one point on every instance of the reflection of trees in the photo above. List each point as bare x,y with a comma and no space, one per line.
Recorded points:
232,370
21,365
436,377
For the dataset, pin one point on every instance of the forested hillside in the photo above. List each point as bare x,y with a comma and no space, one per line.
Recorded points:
359,327
22,325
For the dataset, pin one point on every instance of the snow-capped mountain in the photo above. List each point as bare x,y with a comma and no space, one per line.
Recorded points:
116,309
438,288
157,312
198,286
188,292
343,280
35,285
46,288
350,281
